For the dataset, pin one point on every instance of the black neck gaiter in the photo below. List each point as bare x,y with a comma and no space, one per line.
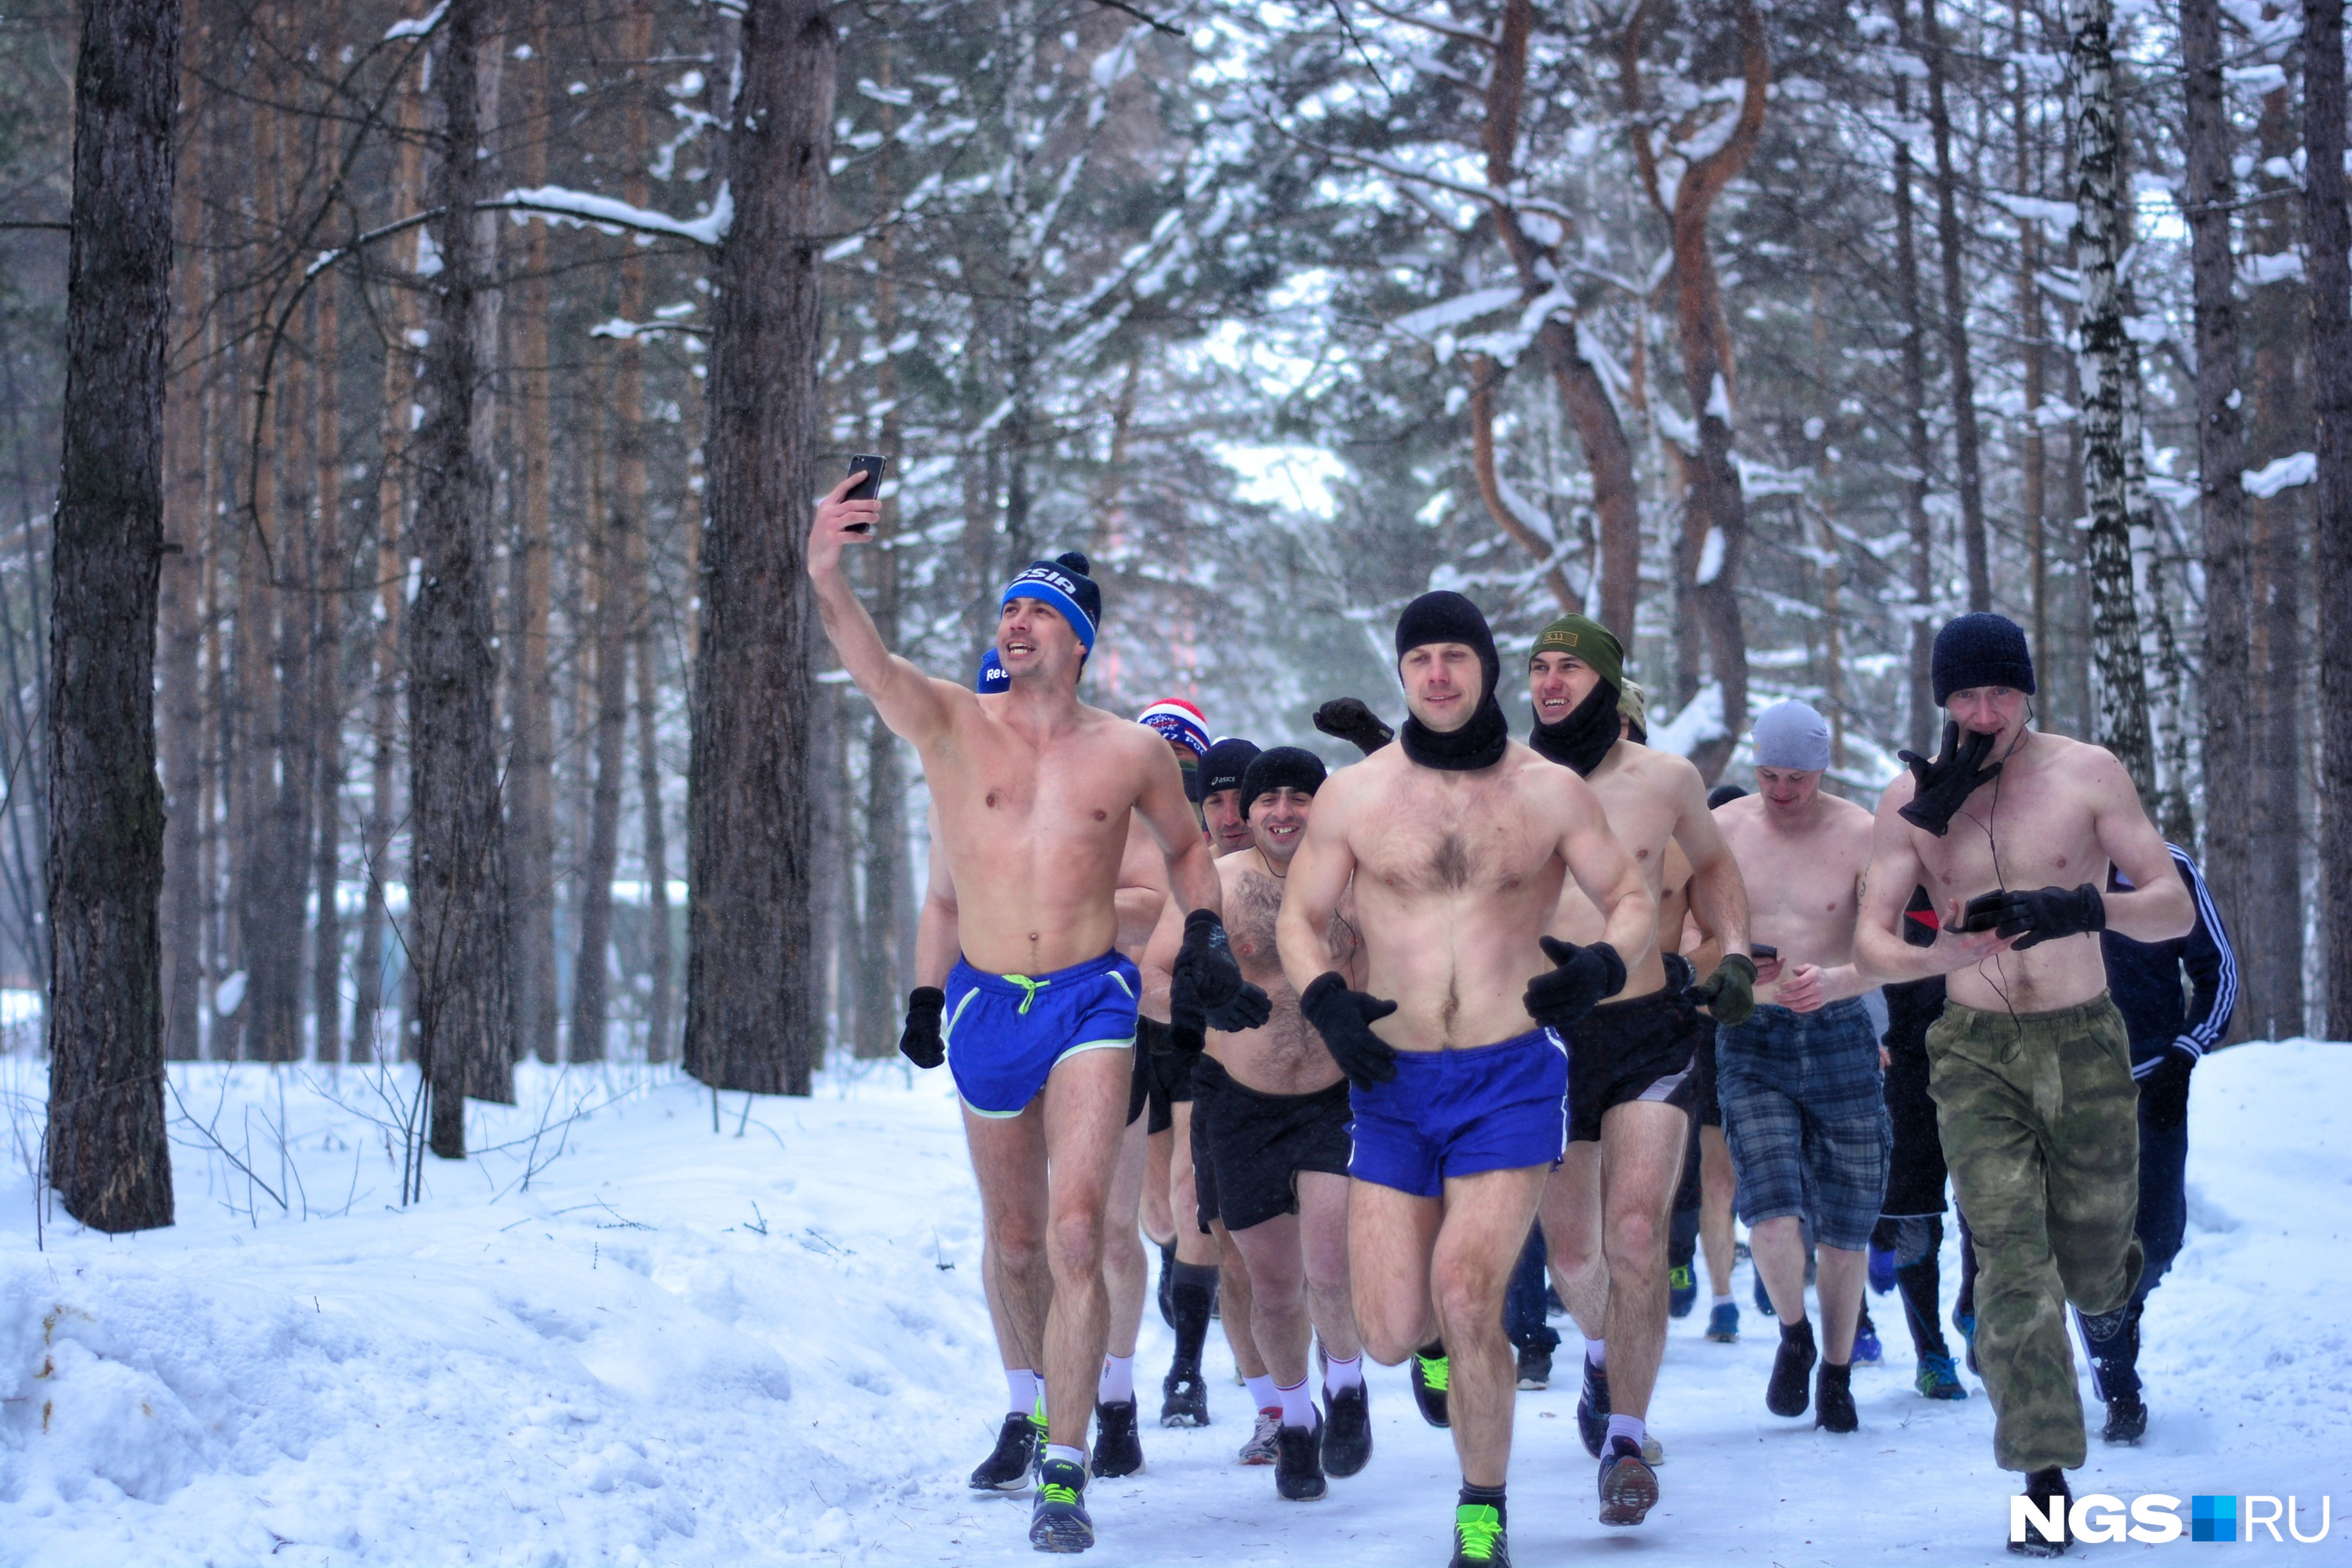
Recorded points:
1477,745
1582,739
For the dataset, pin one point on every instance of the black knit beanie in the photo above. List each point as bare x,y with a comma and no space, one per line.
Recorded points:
1226,765
1981,649
1283,767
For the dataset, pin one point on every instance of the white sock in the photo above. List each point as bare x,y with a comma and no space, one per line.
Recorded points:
1298,1405
1596,1353
1020,1390
1117,1385
1339,1374
1625,1427
1722,1301
1262,1394
1063,1451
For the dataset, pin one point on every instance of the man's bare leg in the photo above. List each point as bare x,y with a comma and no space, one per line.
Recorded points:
1159,1161
1642,1144
1477,1248
1236,1299
1084,1100
1008,1156
1778,1246
1716,1190
1277,1272
1571,1213
1193,1245
1390,1235
1323,1248
1126,1271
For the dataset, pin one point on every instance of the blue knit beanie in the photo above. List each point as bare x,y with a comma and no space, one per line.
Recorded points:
1981,649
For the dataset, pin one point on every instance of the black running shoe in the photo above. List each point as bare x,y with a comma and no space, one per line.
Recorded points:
1833,1399
2127,1421
1347,1430
1299,1464
1535,1367
1629,1488
1478,1539
1593,1409
1119,1448
2042,1489
1184,1398
1785,1394
1058,1521
1431,1373
1007,1469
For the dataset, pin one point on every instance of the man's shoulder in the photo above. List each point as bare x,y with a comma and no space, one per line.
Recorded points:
1853,824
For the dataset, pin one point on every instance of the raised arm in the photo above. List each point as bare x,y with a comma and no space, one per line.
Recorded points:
911,703
2157,907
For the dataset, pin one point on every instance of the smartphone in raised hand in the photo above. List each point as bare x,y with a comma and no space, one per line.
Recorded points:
870,487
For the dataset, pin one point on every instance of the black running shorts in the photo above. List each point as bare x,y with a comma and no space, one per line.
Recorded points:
1248,1148
1150,1036
1625,1051
1165,1072
1915,1171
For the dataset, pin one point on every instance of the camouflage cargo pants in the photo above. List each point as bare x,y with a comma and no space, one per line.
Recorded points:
2040,1121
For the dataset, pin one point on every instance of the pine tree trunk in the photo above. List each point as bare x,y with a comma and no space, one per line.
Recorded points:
531,787
589,1006
1919,444
458,886
751,1019
2328,229
661,949
2099,201
1963,380
333,580
182,697
108,1155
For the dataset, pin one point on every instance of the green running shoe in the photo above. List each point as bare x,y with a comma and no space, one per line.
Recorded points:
1478,1540
1937,1379
1682,1291
1430,1377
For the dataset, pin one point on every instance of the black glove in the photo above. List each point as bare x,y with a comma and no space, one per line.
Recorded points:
920,1041
2164,1093
1346,719
2036,916
1945,784
1730,991
1186,1042
1345,1018
1920,925
1557,997
1207,990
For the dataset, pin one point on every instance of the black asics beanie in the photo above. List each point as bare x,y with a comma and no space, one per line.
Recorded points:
1226,764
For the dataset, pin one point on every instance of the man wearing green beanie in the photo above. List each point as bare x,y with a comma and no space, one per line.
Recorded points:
1631,1090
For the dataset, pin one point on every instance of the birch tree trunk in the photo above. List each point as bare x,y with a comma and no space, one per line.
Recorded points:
2098,250
457,886
108,1155
752,983
2327,230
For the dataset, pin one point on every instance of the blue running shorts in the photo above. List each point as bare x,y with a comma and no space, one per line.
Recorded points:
1004,1033
1455,1113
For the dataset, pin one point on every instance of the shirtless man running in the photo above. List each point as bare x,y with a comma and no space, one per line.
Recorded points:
1455,841
2013,832
1804,1103
1632,1091
1033,791
1270,1114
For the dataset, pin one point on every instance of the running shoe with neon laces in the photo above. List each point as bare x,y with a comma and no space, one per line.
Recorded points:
1058,1521
1681,1290
1629,1488
1184,1398
1967,1323
1431,1373
1007,1469
1298,1463
1937,1379
1478,1539
1262,1448
1347,1430
1119,1448
1723,1324
1867,1350
1593,1409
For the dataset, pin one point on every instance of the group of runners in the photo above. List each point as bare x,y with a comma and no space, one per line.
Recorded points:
1368,1052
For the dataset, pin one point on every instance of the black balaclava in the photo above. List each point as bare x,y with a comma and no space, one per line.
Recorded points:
1446,616
1582,739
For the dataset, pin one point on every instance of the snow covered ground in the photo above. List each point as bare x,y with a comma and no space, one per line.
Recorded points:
622,1337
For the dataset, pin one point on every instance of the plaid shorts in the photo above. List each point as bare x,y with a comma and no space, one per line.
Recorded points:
1805,1114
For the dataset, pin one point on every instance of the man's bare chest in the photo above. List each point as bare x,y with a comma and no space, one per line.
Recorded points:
1005,789
2034,834
1642,820
1448,855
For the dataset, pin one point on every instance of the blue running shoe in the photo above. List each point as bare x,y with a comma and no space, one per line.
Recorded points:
1059,1522
1937,1380
1723,1324
1763,1297
1682,1291
1882,1269
1867,1350
1967,1323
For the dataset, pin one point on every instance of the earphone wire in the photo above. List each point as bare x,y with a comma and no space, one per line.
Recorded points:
2000,878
